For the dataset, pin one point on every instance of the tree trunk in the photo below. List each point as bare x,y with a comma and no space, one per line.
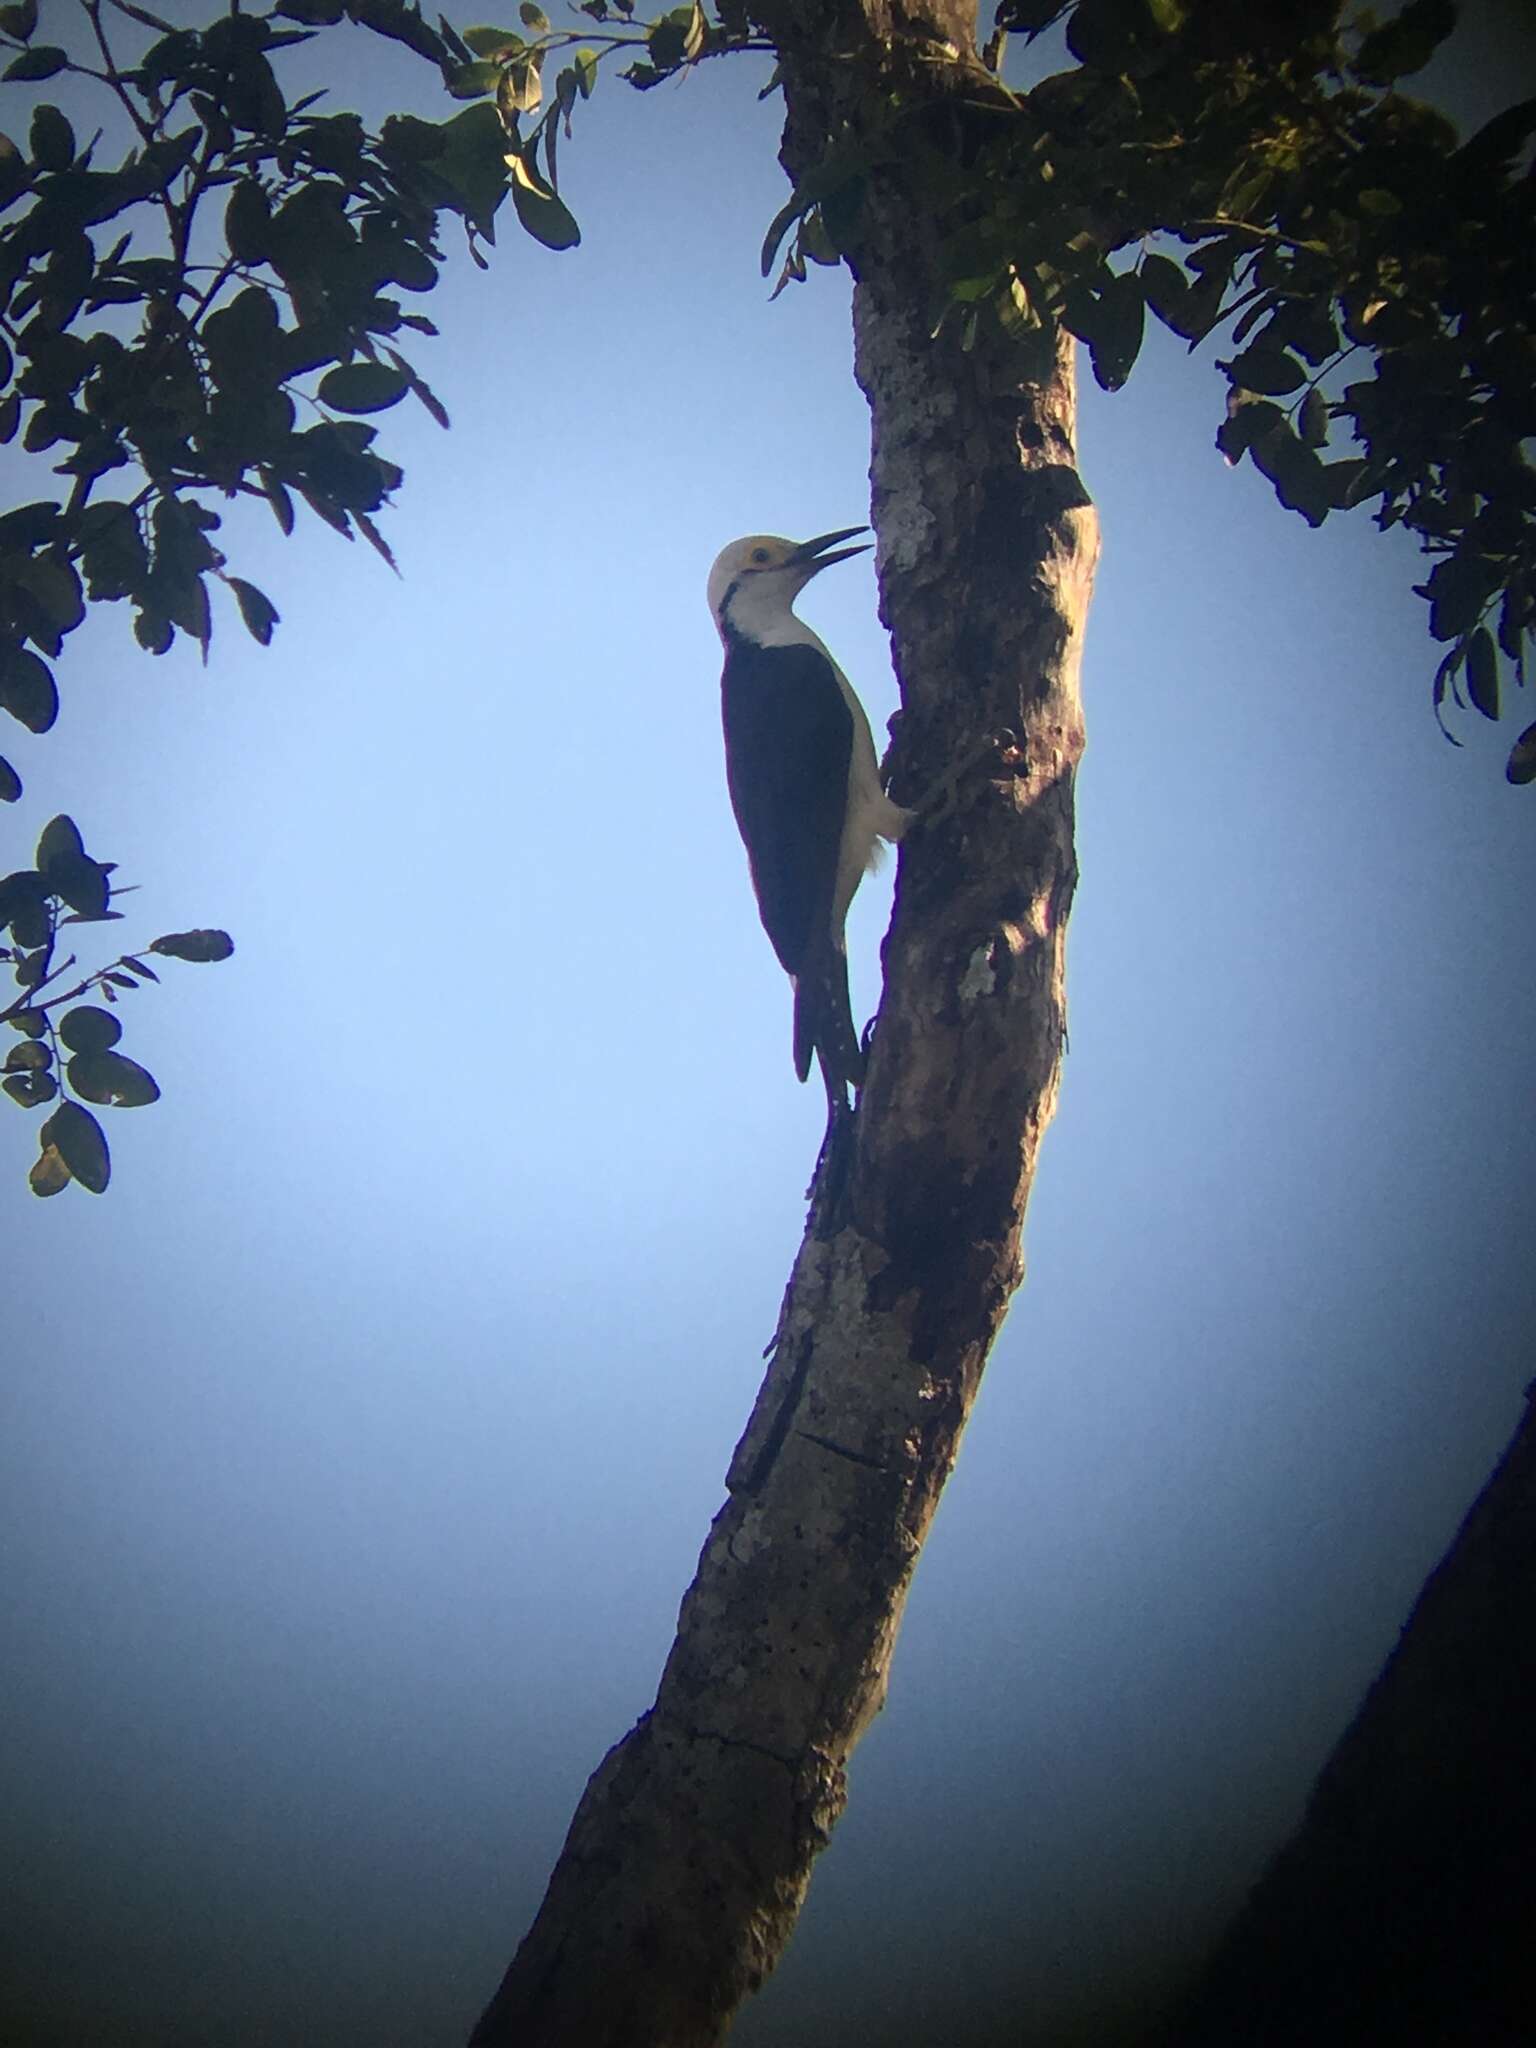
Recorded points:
1404,1909
690,1852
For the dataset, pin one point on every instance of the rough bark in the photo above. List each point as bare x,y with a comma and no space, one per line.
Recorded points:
692,1847
1404,1908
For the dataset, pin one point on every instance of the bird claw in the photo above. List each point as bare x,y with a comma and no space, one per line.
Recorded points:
1001,750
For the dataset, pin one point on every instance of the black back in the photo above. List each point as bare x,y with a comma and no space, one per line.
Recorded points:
788,742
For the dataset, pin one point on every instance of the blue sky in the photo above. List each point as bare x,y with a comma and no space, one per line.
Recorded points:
359,1444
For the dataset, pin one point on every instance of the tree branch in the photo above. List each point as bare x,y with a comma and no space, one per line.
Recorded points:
692,1847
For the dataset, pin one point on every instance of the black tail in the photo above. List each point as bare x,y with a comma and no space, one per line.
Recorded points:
824,1020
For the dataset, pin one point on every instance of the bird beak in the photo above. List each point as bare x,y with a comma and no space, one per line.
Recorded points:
809,557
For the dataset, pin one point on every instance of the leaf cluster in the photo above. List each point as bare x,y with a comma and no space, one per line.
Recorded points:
217,313
1220,167
507,67
67,1050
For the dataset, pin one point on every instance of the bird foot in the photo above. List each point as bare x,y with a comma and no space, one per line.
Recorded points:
999,751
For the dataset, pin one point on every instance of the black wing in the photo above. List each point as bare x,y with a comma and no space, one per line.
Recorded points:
788,742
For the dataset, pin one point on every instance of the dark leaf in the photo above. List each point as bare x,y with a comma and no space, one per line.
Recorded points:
326,508
450,36
308,346
1458,588
1308,326
1244,424
1497,145
168,156
474,81
84,885
252,97
1406,43
58,841
186,605
68,871
1117,333
256,608
27,689
779,227
198,945
363,387
132,960
468,156
375,539
30,1057
174,54
667,41
32,65
30,526
87,1029
1270,371
1314,418
1300,482
24,908
278,499
335,143
402,24
81,1145
30,1023
1483,673
30,1090
52,582
10,782
494,42
52,138
248,222
1521,766
545,216
1346,482
153,631
431,401
1166,288
113,1079
113,553
19,19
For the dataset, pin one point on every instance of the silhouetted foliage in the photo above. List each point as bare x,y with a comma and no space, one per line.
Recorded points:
68,1049
1375,270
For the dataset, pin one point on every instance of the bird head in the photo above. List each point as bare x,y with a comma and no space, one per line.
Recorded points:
764,573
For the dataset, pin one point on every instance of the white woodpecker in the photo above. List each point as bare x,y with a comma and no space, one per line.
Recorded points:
804,781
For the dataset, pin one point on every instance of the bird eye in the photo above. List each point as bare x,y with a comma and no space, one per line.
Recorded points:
760,555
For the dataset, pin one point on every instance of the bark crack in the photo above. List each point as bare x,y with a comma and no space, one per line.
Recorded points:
754,1461
774,1756
843,1451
